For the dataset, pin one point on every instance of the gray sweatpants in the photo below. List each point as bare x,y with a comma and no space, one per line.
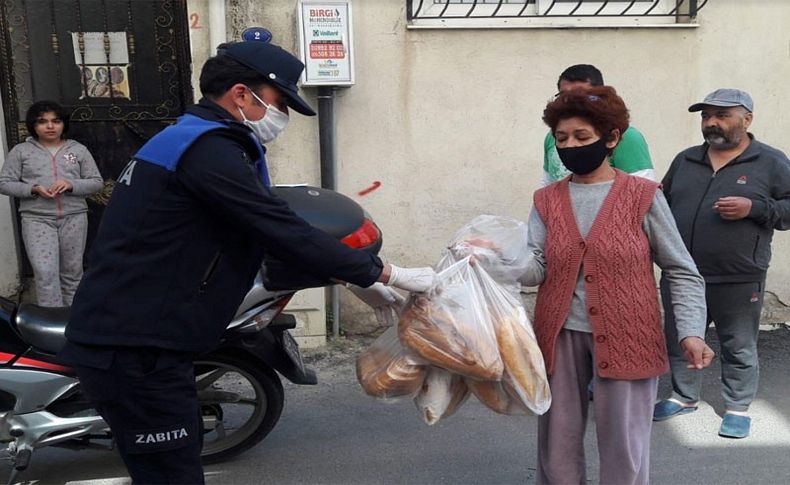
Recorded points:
623,413
735,308
54,247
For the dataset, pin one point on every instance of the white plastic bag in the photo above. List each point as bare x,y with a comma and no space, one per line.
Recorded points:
524,375
470,334
498,397
498,244
387,370
441,395
451,327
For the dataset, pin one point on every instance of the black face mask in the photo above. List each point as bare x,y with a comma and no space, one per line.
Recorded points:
584,159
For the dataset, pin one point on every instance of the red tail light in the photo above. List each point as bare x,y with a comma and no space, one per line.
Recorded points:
367,235
265,317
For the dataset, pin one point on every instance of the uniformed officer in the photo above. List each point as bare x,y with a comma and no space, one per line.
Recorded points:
180,243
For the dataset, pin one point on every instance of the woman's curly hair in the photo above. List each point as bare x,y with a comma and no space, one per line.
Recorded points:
599,105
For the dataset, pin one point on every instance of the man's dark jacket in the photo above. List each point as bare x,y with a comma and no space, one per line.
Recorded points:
730,251
177,250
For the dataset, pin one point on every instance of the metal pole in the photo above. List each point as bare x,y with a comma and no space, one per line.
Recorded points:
326,136
327,142
692,9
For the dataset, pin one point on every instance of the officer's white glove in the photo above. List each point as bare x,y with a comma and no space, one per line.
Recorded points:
416,280
386,302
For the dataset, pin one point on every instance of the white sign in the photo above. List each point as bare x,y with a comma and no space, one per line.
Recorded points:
103,61
326,43
90,48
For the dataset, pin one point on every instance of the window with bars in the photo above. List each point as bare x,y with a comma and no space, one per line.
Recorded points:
551,13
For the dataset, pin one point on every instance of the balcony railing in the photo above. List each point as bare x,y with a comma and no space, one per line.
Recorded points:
551,13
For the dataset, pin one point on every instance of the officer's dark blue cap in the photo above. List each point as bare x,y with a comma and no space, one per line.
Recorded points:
274,63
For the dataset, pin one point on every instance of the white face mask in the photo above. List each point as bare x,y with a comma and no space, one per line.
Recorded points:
272,123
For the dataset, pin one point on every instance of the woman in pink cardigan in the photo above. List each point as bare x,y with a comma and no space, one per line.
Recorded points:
595,236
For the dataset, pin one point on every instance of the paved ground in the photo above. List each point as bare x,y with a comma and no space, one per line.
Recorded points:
333,434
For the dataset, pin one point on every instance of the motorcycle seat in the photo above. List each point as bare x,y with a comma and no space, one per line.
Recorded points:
42,327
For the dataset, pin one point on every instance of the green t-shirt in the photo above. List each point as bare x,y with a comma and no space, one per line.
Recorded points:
630,155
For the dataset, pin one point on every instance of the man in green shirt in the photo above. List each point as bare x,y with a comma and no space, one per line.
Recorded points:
631,155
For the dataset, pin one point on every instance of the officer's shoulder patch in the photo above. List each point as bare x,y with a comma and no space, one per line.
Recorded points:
126,174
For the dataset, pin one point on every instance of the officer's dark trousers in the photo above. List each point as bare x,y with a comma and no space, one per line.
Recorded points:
148,398
735,310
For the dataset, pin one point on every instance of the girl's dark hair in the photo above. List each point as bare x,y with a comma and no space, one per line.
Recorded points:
221,72
39,108
599,105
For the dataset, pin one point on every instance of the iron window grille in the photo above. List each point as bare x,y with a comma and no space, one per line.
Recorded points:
552,13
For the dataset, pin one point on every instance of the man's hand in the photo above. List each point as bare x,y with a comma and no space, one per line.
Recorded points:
59,187
416,280
386,302
696,352
733,208
42,192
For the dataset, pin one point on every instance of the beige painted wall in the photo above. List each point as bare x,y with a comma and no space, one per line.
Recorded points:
449,120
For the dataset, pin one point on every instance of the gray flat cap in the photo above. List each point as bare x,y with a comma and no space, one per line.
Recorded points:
725,98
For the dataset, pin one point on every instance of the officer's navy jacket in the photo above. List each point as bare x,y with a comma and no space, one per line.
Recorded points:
183,237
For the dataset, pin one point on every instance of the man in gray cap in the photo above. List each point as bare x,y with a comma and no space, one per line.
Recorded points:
189,222
727,195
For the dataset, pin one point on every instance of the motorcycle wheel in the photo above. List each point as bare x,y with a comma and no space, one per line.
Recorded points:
240,400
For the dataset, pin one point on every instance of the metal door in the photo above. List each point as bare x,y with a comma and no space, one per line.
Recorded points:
121,66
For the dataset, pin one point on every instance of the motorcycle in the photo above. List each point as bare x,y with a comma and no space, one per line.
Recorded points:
238,382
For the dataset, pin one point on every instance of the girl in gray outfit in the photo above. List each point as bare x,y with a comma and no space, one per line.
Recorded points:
51,176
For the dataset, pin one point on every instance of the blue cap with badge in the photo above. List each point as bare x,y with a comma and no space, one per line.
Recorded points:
280,68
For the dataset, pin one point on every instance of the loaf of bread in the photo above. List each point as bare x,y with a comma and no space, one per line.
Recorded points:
456,342
497,396
442,393
387,370
525,372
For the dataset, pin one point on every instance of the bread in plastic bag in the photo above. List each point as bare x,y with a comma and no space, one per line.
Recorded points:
498,397
469,335
525,370
387,370
451,327
441,395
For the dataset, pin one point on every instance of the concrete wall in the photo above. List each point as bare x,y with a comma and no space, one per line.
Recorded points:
9,272
449,120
